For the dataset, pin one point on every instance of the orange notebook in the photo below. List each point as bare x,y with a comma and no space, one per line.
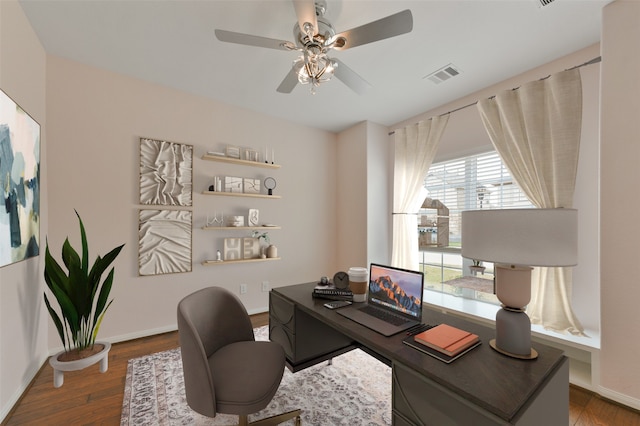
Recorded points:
446,339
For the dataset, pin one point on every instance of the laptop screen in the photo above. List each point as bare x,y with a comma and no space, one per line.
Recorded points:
396,289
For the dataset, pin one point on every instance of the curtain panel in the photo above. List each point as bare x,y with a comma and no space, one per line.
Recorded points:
536,131
415,147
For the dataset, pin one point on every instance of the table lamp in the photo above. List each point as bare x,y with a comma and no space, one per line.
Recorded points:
515,240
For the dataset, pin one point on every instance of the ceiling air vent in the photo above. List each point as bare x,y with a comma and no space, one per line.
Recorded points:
544,3
443,74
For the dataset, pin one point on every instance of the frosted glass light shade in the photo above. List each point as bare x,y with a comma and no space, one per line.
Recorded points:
532,237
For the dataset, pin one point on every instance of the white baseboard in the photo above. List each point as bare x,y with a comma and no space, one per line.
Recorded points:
618,397
149,332
128,336
29,375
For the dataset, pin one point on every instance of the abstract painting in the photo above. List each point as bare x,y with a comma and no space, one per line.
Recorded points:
164,241
19,183
166,173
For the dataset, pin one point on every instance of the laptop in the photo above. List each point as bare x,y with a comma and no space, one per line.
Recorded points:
394,300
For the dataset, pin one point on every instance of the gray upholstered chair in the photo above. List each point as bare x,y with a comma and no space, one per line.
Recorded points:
225,369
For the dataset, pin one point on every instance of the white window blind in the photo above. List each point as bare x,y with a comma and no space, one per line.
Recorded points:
476,182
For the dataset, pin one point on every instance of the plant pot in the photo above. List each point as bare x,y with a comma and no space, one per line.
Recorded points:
475,269
59,367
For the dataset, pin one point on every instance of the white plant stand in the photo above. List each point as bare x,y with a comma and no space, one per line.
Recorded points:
59,367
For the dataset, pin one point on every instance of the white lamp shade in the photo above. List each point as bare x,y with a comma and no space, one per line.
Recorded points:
533,237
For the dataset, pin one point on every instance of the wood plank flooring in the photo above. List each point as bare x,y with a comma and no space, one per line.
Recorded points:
89,397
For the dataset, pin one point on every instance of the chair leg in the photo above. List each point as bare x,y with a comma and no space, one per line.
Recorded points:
242,420
277,419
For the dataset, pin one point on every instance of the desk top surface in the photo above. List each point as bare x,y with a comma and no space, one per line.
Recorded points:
495,382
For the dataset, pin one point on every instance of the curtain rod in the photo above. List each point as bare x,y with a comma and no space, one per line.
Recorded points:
590,62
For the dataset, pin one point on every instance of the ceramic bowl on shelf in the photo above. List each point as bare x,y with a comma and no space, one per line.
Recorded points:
236,221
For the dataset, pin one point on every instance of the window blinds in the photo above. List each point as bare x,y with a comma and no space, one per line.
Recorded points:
475,182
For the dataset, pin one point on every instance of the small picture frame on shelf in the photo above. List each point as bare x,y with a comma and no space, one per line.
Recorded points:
233,184
233,151
251,186
253,217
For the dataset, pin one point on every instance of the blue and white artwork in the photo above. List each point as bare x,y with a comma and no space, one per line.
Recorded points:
19,183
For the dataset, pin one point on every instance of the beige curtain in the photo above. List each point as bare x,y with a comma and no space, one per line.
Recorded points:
536,131
415,148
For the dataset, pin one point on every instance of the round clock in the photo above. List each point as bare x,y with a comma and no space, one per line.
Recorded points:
341,280
270,183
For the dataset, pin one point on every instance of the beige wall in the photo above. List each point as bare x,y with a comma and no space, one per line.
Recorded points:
363,195
379,190
97,118
620,150
352,197
23,318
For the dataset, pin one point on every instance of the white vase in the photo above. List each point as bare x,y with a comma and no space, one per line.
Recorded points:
272,251
59,367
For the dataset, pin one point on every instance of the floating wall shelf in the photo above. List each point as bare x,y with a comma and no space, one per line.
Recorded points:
227,262
240,194
233,228
209,157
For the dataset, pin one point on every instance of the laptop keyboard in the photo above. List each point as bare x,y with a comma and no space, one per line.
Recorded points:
384,315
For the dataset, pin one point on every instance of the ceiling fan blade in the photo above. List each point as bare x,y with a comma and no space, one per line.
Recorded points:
251,40
350,78
391,26
289,82
306,13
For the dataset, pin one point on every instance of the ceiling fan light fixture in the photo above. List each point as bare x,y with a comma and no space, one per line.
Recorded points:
314,37
314,69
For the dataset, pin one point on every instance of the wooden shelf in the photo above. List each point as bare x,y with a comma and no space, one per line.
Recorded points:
227,262
240,194
210,157
233,228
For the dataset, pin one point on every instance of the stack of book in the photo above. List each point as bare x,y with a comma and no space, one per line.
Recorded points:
332,293
445,340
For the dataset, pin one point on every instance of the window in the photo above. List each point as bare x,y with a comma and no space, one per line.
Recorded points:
475,182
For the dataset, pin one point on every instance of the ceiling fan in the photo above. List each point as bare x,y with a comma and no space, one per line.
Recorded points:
315,37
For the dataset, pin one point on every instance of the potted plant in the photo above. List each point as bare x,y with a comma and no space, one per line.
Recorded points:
477,267
82,299
264,236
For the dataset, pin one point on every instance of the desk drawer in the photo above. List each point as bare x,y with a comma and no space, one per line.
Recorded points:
282,312
305,340
280,334
420,401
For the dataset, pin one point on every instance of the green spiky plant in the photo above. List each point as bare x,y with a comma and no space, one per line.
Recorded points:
75,291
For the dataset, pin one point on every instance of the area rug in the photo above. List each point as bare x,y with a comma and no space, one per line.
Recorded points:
475,283
354,390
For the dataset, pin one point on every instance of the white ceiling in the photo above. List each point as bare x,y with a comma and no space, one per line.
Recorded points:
172,43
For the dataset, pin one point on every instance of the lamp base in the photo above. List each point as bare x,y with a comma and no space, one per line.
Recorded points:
532,355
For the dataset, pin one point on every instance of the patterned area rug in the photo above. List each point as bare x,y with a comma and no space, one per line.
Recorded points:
354,390
475,283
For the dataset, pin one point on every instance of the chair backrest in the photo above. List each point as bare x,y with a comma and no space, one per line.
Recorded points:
208,320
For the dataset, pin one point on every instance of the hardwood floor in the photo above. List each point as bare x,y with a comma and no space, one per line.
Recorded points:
89,397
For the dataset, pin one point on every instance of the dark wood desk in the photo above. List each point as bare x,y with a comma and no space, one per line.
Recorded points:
481,388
